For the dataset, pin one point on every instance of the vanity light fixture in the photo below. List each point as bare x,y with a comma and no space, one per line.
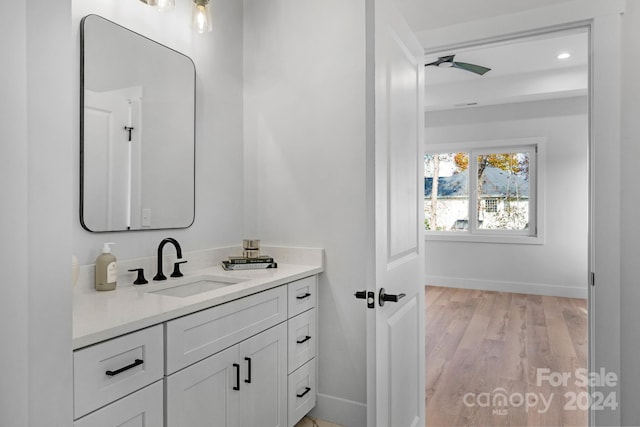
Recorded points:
161,5
201,16
164,5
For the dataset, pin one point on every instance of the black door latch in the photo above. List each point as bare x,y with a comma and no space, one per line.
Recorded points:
369,296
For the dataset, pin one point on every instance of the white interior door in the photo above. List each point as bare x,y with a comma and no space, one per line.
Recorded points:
395,330
104,180
111,158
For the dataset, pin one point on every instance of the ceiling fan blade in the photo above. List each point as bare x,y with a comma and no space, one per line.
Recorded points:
478,69
442,59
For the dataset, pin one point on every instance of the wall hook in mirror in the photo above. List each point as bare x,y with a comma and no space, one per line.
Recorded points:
129,129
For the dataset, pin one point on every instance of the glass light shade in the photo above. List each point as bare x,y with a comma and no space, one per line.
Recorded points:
201,16
164,5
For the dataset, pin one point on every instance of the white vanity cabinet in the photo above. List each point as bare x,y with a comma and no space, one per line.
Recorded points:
243,363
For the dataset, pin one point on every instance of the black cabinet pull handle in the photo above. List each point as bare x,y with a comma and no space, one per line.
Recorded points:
248,380
126,368
306,390
303,340
307,295
237,367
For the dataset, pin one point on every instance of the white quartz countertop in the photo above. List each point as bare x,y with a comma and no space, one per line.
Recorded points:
98,316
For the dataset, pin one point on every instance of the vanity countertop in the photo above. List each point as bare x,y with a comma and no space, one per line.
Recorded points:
98,316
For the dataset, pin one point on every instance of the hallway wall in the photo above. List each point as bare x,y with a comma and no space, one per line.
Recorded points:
305,160
559,266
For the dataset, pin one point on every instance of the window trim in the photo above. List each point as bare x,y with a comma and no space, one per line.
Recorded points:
537,186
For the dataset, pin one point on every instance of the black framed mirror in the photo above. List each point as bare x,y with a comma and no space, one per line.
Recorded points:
137,131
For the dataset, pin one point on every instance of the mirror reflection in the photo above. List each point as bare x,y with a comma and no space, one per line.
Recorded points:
137,131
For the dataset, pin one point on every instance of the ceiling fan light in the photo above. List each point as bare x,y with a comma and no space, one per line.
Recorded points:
445,65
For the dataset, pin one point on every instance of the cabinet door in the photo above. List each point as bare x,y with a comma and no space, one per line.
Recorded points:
205,394
140,409
264,379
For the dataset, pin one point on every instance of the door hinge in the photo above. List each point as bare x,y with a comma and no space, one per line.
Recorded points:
593,279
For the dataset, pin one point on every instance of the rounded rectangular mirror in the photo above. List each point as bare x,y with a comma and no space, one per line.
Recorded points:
137,131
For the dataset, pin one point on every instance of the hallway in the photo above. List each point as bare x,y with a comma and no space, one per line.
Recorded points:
495,359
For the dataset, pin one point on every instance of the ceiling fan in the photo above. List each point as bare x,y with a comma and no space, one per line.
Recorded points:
448,62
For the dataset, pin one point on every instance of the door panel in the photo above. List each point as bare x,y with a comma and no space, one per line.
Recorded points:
395,394
114,161
403,351
403,144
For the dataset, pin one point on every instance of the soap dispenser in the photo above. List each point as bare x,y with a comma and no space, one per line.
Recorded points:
106,269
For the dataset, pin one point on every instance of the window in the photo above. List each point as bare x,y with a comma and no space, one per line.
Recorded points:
483,192
491,205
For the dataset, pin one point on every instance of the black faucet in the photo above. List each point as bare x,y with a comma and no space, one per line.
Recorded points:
175,243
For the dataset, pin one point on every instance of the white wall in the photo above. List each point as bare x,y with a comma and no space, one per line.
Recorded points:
50,150
630,226
559,266
36,216
219,140
14,316
305,168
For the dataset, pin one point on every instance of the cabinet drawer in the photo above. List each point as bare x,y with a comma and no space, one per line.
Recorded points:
302,339
107,371
143,408
199,335
302,295
302,391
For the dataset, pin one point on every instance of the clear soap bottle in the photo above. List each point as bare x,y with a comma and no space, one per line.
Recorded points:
106,269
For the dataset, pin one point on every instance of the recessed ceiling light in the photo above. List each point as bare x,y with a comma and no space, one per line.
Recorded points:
564,55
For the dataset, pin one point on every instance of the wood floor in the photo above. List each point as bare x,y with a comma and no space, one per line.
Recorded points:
484,353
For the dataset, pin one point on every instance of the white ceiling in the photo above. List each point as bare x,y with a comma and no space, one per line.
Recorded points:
528,55
522,69
429,14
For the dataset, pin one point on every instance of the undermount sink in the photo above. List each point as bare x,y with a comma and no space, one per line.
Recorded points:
190,286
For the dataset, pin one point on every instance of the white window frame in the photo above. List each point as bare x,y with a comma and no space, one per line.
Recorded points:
534,235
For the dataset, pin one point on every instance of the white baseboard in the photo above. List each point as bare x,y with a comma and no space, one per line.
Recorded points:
516,287
340,411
